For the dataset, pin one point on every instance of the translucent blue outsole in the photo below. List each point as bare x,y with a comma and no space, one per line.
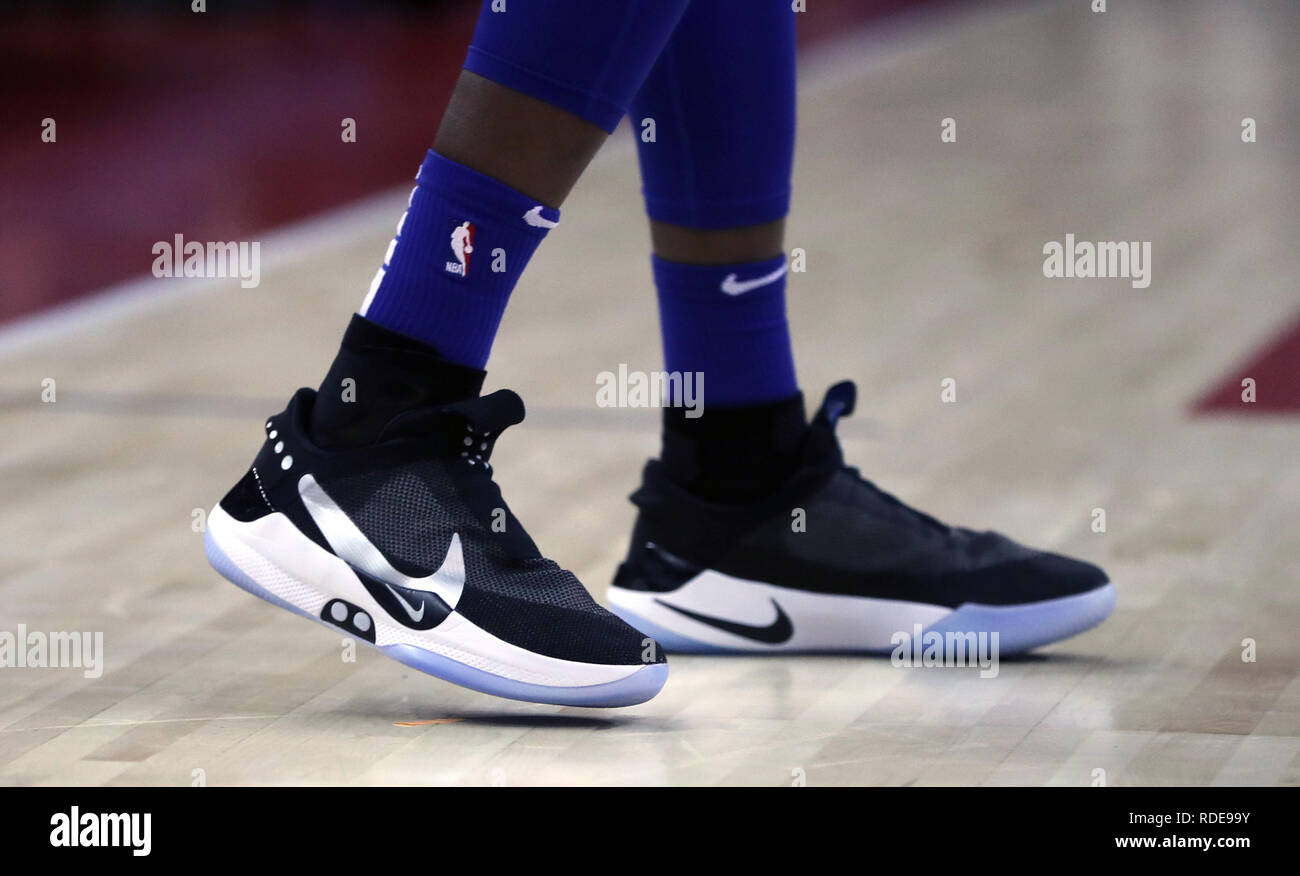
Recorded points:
636,688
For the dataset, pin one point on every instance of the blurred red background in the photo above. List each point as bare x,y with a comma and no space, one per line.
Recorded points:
218,125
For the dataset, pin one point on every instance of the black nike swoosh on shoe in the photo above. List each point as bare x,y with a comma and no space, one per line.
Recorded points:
775,633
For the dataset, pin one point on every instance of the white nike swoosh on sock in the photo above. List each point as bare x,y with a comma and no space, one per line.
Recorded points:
535,218
732,286
352,546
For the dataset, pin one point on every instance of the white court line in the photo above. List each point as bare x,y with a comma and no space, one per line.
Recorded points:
85,726
839,61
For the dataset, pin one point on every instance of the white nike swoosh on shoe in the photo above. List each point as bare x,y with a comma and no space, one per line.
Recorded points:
733,286
535,218
414,615
352,546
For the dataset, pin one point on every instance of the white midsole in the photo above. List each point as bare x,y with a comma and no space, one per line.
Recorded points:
822,621
274,553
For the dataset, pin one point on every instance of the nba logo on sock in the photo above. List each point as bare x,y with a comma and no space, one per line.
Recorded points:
462,244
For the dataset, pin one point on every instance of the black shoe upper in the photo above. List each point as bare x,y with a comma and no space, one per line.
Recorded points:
427,477
829,530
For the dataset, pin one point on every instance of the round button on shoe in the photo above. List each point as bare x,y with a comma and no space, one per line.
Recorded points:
339,612
362,621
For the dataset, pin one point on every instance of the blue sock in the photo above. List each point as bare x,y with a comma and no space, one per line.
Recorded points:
728,322
460,247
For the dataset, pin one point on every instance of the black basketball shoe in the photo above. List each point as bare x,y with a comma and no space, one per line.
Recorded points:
405,543
830,562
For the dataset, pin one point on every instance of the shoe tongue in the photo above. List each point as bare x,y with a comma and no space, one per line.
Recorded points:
821,446
484,415
838,402
489,413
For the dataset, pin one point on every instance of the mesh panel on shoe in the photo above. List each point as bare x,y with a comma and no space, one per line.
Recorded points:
410,514
853,523
404,511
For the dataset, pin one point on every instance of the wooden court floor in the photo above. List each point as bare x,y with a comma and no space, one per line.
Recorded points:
924,263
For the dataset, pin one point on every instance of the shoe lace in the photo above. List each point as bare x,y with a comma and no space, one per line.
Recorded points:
891,499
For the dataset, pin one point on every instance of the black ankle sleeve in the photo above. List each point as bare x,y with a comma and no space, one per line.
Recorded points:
377,374
734,454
